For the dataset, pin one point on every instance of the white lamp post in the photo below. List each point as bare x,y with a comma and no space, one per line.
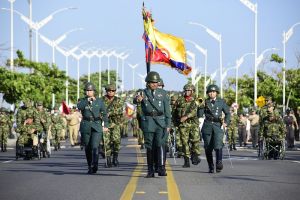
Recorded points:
286,37
238,64
89,56
11,34
67,53
204,52
118,56
142,78
38,25
54,43
77,57
133,68
123,57
108,55
217,37
253,8
100,54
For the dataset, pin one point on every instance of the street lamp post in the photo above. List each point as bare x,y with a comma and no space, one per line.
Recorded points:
238,63
142,78
89,56
253,8
118,56
100,54
38,25
217,37
286,37
54,43
67,53
133,68
11,34
77,57
108,55
123,57
204,52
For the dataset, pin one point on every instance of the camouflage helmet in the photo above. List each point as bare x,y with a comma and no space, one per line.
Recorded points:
110,87
161,83
39,103
189,86
211,88
152,77
174,98
89,86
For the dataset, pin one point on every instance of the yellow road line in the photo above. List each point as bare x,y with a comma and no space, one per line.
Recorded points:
131,186
173,192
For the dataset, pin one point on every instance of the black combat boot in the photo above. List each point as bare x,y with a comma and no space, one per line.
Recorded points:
195,159
115,160
5,150
186,162
210,162
142,146
108,163
230,147
234,148
88,155
58,146
161,161
219,164
150,173
95,159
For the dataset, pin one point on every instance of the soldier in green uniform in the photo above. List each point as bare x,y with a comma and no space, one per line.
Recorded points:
212,132
93,113
43,120
174,127
188,125
155,121
4,129
232,129
112,140
140,134
57,125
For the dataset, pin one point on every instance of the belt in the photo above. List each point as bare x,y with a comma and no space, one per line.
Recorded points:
91,119
213,119
154,114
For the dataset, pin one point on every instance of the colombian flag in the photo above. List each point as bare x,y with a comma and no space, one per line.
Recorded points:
162,48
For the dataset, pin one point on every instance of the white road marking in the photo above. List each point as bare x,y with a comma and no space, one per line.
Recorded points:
8,161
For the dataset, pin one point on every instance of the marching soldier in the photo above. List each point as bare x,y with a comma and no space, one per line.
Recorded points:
112,140
232,129
155,121
93,113
271,127
4,129
212,128
57,124
188,125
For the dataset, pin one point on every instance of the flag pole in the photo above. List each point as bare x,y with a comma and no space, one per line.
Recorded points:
148,53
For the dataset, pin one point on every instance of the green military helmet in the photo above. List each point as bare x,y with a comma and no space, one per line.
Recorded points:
89,86
189,86
211,88
174,98
110,87
161,83
39,103
152,77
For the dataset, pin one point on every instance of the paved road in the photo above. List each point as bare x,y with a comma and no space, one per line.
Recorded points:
63,176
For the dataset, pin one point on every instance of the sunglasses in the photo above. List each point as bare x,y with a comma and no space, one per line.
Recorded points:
111,90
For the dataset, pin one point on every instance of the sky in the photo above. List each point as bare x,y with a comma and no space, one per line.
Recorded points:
118,24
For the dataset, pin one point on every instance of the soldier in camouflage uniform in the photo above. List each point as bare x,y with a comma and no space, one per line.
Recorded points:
232,129
271,128
4,129
57,124
291,125
112,140
25,115
28,131
186,112
174,127
137,132
43,121
138,118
